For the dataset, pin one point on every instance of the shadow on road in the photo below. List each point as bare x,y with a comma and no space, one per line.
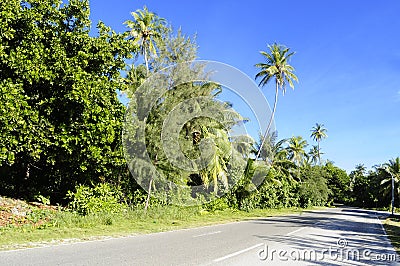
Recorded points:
360,230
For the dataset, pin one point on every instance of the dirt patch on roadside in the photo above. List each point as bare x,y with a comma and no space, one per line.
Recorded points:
18,212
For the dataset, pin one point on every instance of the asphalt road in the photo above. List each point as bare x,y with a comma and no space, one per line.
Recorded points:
339,236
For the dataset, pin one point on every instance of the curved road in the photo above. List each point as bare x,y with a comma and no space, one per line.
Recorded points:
338,236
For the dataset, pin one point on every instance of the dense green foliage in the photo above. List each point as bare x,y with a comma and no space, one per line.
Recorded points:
339,183
373,189
61,122
101,198
313,190
59,113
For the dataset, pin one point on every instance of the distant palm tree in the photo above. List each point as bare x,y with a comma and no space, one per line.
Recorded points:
391,169
145,30
277,67
313,154
360,169
296,150
317,133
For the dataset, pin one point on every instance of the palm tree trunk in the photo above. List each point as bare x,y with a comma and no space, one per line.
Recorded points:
270,122
145,60
319,154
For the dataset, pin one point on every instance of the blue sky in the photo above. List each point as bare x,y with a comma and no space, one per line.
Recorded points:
347,61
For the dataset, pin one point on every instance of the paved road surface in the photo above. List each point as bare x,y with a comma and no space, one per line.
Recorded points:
340,236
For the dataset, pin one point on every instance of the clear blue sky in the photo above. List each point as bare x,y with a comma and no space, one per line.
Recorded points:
347,60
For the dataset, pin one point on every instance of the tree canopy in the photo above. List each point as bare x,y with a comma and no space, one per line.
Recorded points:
60,116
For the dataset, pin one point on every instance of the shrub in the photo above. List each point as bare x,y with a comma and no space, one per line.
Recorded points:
218,204
313,190
102,198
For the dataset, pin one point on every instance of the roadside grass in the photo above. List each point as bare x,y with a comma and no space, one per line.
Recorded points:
392,227
65,226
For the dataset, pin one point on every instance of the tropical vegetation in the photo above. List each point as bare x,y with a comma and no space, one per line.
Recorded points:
63,136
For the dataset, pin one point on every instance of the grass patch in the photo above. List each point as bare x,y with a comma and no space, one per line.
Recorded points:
392,227
66,226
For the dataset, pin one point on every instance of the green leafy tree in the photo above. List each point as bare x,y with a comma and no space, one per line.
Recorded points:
313,190
276,67
338,182
319,133
61,84
360,170
366,188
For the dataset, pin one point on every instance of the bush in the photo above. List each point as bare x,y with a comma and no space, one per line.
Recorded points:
219,204
313,190
102,198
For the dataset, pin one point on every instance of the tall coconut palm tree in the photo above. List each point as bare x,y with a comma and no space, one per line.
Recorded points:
276,67
318,132
145,31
